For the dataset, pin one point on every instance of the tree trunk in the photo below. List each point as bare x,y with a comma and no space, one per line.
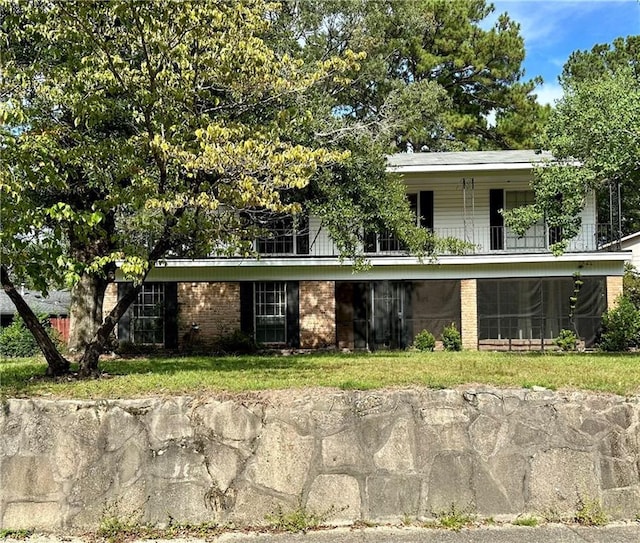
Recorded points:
56,363
87,297
90,358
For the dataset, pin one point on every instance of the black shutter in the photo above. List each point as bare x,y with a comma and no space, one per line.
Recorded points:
124,324
426,209
171,315
496,220
293,314
360,315
302,238
246,308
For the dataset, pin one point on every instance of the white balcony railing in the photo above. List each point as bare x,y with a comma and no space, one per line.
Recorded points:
482,241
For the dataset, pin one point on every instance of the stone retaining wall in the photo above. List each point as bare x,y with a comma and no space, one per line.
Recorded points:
366,455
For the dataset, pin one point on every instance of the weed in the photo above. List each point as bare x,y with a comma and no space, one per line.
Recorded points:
526,521
299,519
15,533
589,512
114,527
566,340
407,520
454,518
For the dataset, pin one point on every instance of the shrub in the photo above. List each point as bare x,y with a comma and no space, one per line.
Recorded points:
451,339
566,340
631,285
620,326
236,343
16,340
424,341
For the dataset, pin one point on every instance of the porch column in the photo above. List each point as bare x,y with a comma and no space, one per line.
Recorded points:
614,290
469,314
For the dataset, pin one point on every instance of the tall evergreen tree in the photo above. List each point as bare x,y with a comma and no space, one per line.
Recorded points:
421,54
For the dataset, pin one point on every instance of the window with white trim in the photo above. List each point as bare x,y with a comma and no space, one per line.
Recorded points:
270,300
147,322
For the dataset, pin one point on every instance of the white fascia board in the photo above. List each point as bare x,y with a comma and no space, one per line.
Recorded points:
435,168
505,166
463,260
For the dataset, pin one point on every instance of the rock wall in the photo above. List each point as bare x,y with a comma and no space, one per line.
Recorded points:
365,455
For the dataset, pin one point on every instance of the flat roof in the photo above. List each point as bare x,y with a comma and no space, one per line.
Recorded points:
467,160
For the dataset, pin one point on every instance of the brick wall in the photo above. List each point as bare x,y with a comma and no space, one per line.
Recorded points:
614,290
214,307
469,316
317,314
110,299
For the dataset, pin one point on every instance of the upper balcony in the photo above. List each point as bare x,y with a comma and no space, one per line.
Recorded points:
492,240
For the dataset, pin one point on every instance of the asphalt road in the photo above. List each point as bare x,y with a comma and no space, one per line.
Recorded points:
550,533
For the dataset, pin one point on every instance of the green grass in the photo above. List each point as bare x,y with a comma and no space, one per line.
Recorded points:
614,373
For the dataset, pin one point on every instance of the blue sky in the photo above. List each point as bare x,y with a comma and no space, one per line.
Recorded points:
553,29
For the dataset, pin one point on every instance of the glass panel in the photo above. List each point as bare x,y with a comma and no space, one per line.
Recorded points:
147,323
271,312
285,236
534,238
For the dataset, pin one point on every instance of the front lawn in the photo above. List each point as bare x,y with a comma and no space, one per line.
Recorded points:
616,373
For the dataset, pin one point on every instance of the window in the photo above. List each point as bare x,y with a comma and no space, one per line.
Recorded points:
270,312
147,322
385,242
285,236
534,237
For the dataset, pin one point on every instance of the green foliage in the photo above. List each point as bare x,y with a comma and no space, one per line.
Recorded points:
451,338
21,534
17,341
526,521
592,134
455,518
296,520
237,342
620,326
424,341
566,340
631,285
589,512
433,70
177,120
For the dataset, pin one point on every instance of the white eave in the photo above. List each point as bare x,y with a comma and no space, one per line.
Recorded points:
376,261
435,168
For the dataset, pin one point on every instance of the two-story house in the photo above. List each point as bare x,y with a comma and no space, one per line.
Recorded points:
505,292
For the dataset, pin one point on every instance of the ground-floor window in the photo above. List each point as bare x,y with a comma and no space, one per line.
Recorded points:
270,299
152,319
538,308
147,320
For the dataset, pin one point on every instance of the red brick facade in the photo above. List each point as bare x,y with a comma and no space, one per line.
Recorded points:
317,314
213,307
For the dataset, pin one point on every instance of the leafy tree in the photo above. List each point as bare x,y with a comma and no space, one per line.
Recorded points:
631,285
423,53
604,60
595,126
129,127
